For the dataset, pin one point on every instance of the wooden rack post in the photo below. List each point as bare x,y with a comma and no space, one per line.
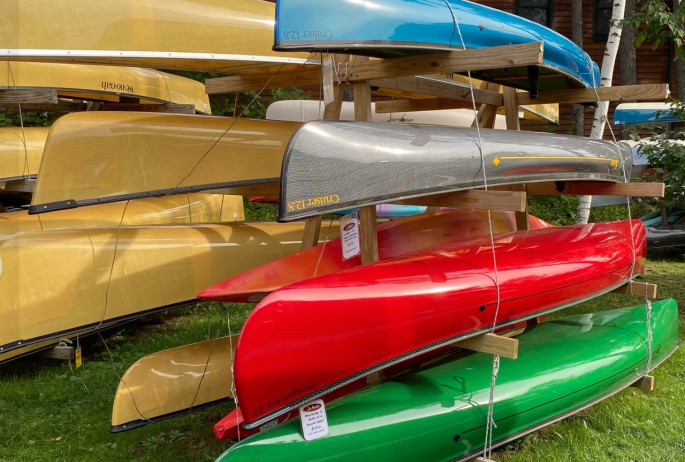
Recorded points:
312,226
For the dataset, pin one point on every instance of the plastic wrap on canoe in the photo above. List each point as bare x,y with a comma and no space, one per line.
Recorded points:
97,157
309,338
390,28
437,413
395,238
337,165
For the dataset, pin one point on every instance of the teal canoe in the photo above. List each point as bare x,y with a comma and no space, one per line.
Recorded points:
438,412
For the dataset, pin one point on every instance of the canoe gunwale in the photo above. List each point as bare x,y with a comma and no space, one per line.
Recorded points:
133,424
36,209
95,325
514,436
416,352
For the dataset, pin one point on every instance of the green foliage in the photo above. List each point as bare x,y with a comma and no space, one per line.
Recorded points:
30,119
662,153
656,23
259,211
557,210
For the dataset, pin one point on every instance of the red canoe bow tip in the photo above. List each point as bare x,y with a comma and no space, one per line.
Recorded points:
375,315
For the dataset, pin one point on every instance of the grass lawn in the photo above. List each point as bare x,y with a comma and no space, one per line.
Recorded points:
49,412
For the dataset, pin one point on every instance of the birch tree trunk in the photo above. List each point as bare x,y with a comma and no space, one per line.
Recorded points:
680,63
602,110
578,116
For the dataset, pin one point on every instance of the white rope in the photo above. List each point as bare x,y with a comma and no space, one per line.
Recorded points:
487,447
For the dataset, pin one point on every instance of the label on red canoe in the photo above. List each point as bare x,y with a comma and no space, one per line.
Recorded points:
314,420
349,233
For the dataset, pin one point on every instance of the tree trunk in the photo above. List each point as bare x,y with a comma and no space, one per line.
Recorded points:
602,110
578,117
679,64
627,51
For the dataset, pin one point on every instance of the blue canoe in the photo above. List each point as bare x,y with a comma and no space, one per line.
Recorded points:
642,113
392,28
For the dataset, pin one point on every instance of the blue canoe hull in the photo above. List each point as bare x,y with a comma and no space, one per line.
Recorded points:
392,28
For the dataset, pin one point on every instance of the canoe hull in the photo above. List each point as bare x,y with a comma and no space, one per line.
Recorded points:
21,151
395,238
388,28
438,412
73,273
312,337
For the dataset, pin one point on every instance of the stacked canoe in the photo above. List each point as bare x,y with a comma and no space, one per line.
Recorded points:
140,215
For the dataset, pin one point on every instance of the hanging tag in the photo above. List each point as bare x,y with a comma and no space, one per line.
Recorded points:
349,224
327,69
77,357
314,421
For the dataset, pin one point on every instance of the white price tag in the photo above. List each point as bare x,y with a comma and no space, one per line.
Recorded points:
314,421
327,69
349,226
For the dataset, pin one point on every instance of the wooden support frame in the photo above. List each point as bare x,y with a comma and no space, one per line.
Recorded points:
505,347
645,383
363,70
647,92
487,113
440,88
588,188
62,352
74,106
20,186
638,289
38,96
481,200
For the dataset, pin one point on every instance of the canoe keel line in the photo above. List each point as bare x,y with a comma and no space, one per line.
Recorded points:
418,303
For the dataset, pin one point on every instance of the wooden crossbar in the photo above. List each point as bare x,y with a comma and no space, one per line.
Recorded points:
492,343
639,289
482,200
13,97
644,383
647,92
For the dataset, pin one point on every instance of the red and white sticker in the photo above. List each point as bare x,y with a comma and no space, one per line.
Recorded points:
314,421
349,234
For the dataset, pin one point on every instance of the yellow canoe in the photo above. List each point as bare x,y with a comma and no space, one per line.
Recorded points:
96,157
21,151
104,83
208,35
55,284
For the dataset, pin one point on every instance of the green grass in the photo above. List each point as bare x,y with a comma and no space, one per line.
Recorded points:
49,412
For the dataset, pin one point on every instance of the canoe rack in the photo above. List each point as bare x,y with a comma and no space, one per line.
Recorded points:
404,75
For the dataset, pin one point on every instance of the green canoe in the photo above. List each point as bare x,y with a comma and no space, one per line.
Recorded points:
438,412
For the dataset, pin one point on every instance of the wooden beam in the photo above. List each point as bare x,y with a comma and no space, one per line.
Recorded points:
639,289
73,106
589,188
238,83
58,352
481,200
646,92
19,185
492,343
487,112
511,108
446,62
441,88
369,238
11,96
312,228
644,383
416,105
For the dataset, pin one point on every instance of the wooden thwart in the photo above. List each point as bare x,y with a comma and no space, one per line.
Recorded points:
639,289
492,343
481,200
644,383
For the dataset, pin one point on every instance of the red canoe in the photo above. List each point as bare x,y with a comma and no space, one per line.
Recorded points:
395,238
313,337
